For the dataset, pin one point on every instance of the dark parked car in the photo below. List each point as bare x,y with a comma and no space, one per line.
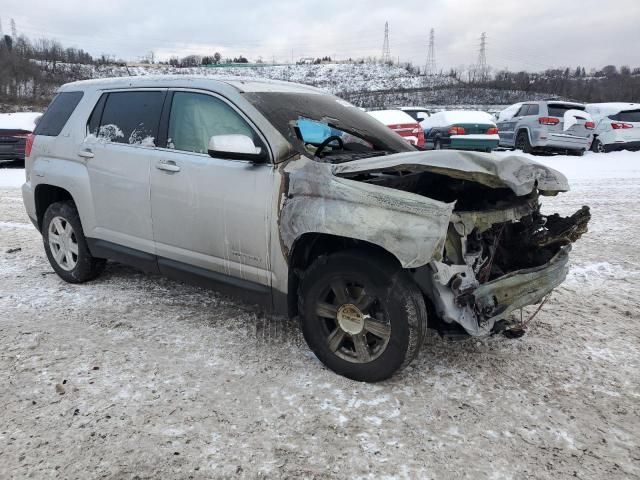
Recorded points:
460,130
14,130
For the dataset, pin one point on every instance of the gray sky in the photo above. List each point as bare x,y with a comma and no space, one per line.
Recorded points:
530,35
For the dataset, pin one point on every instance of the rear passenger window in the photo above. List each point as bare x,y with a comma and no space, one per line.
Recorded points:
533,109
56,116
522,111
196,117
129,117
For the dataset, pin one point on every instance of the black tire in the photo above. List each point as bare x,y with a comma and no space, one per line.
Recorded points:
597,146
83,266
389,300
523,143
576,153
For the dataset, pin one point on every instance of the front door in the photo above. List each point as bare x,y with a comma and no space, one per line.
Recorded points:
212,214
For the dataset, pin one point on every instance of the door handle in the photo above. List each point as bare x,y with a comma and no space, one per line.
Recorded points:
86,153
168,166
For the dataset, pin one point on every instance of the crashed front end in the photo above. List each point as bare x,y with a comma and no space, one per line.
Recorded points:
495,263
500,253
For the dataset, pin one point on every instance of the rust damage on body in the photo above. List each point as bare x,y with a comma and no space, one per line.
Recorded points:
467,225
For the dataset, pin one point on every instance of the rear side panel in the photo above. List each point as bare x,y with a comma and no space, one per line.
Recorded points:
54,160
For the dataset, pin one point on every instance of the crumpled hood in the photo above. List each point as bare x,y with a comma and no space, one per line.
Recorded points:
516,172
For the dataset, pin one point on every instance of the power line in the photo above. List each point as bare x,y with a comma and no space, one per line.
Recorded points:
481,68
430,66
386,52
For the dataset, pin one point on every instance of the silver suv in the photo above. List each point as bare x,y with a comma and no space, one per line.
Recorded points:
546,126
297,201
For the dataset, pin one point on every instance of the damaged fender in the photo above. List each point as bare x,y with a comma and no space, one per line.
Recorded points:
412,227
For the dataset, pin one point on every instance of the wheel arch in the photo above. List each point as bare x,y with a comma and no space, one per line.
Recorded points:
523,128
312,245
46,194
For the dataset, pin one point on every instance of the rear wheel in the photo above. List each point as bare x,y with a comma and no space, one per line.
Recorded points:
363,319
523,143
66,246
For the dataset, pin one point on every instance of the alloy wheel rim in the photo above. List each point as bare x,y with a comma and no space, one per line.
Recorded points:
63,243
353,322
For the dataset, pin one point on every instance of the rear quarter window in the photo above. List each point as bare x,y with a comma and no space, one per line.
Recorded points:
58,113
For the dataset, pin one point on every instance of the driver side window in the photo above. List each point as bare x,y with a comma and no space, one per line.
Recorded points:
196,117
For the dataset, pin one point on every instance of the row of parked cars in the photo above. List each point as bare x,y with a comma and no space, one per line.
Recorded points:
533,127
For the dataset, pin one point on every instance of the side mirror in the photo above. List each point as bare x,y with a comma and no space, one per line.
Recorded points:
236,147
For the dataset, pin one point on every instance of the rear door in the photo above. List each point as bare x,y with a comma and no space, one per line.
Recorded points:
211,216
119,151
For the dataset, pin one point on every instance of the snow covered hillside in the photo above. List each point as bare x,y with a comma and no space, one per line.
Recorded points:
335,78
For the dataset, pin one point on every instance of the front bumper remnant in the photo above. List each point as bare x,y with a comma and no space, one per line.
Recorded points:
522,287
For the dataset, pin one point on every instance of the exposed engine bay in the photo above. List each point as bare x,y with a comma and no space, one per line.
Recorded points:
500,254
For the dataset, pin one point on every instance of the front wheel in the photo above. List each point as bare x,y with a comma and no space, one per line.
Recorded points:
66,246
597,146
363,319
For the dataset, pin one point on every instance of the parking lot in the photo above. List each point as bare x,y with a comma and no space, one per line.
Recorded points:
135,376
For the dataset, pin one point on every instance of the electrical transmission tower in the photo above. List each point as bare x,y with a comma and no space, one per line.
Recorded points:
482,69
430,66
14,32
386,52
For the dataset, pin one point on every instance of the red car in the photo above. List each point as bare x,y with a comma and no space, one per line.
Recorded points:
401,123
14,130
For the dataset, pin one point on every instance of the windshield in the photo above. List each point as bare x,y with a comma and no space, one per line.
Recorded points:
308,119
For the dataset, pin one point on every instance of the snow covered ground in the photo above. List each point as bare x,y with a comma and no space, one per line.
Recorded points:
132,375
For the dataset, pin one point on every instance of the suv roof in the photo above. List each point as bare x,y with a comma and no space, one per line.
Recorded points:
191,81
